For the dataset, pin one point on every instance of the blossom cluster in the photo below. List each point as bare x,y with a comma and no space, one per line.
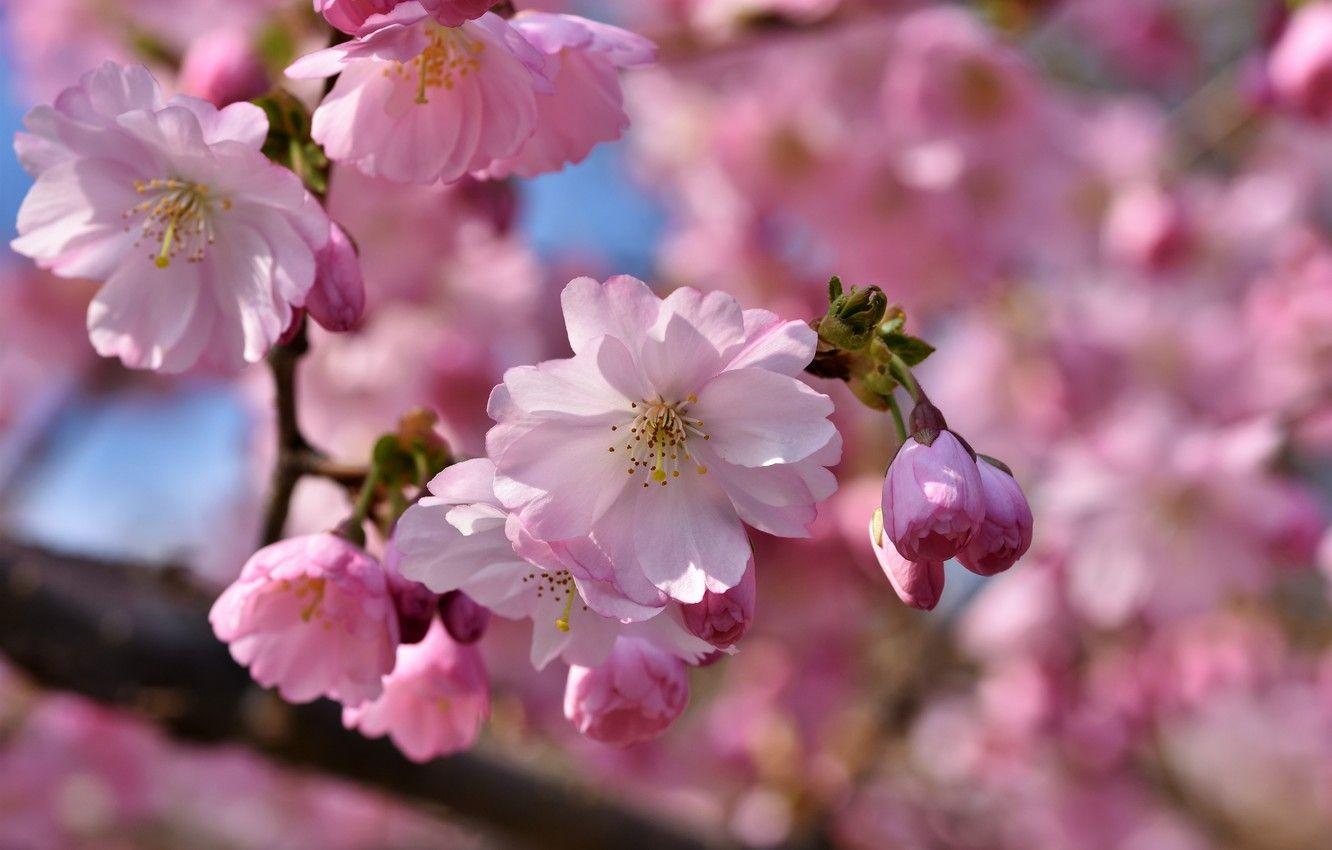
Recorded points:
1113,230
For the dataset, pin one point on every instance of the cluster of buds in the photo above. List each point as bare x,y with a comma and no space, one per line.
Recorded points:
940,499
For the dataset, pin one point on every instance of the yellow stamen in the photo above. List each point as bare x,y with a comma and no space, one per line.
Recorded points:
563,622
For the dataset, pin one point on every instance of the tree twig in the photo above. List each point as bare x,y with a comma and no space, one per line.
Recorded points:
138,638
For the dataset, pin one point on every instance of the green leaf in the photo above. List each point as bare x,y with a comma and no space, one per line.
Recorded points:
913,350
276,46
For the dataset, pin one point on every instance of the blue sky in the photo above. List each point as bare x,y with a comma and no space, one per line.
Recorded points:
12,178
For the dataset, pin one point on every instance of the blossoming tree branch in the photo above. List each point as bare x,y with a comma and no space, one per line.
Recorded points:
614,503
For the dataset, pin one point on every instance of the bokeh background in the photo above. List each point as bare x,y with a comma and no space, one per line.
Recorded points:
1112,220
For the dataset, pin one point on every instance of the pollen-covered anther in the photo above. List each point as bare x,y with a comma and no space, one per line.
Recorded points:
659,444
449,56
177,216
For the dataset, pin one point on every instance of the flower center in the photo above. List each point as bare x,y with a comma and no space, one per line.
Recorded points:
311,593
658,440
449,56
556,585
177,217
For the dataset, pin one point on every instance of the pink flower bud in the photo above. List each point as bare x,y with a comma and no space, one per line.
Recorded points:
223,68
415,605
632,696
465,620
932,498
350,15
312,616
1301,62
434,701
917,583
337,299
722,619
1005,534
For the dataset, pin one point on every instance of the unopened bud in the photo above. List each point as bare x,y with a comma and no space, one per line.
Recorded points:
465,620
722,619
223,68
932,498
853,316
414,602
337,299
918,583
1005,534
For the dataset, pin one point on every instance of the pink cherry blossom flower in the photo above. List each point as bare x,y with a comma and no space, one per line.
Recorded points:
337,299
416,102
434,701
932,498
205,246
1300,67
676,422
462,538
586,106
311,616
918,583
1005,535
722,619
351,16
223,67
633,696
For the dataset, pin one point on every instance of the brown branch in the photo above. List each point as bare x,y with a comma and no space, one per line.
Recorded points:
138,638
295,457
292,447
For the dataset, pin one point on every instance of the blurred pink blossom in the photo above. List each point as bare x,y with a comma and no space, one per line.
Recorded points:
434,702
223,67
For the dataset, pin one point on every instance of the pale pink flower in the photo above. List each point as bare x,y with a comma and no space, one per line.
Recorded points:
311,616
1005,534
461,538
351,16
918,583
434,701
948,76
632,696
223,67
1300,66
337,299
722,619
932,498
586,106
205,246
416,102
676,422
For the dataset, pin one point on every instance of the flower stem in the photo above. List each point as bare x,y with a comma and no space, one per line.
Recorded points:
898,422
903,374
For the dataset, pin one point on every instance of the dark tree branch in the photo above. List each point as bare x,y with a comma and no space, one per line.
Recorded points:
138,638
295,457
